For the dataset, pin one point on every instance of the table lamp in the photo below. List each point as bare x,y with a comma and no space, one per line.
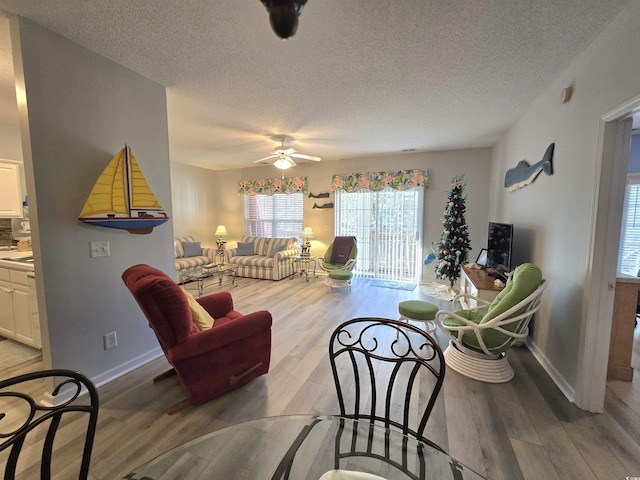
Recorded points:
221,231
306,234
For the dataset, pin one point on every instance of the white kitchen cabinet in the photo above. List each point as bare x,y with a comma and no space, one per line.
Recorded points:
21,312
7,327
10,191
18,320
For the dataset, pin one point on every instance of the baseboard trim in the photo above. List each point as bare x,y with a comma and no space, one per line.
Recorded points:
566,389
51,401
126,367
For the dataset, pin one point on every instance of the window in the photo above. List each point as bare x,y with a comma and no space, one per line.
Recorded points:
388,226
274,216
629,253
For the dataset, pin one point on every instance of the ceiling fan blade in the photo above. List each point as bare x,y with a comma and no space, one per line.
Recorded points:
266,158
305,157
289,151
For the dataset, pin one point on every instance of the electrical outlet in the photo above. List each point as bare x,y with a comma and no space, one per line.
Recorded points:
99,249
110,340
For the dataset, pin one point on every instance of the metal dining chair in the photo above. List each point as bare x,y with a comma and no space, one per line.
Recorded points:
387,372
24,417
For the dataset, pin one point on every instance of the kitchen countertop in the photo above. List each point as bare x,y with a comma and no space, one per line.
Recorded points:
25,267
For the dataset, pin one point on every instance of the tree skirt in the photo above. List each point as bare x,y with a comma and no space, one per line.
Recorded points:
438,290
392,284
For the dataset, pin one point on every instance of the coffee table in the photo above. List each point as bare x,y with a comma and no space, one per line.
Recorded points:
200,274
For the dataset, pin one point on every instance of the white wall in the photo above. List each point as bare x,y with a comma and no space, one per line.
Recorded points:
10,147
441,167
558,210
194,193
80,110
634,155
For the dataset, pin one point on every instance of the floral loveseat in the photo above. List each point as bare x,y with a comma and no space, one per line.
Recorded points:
263,258
189,255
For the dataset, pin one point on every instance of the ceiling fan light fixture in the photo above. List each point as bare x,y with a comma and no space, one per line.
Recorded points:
283,163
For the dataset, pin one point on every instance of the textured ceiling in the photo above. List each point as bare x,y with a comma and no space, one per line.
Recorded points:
359,78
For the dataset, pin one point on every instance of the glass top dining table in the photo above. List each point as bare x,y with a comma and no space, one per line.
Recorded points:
304,447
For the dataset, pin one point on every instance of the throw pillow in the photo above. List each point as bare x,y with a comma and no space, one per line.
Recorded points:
200,316
276,249
244,249
191,249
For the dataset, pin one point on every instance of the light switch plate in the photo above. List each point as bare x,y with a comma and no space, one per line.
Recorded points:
99,249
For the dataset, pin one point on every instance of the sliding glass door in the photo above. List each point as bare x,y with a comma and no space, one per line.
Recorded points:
388,226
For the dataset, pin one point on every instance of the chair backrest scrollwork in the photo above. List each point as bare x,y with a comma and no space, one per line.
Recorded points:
23,417
387,372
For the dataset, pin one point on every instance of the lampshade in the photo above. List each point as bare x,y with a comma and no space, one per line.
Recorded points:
283,163
221,231
307,232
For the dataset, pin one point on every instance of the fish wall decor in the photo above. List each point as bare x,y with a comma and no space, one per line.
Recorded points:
523,174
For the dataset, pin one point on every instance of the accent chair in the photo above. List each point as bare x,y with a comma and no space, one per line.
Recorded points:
209,359
480,337
339,257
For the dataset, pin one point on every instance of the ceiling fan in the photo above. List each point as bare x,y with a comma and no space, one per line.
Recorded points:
282,158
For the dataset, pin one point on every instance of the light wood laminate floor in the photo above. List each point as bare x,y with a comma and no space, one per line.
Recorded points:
524,429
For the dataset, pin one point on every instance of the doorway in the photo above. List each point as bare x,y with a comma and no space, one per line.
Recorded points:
388,226
614,141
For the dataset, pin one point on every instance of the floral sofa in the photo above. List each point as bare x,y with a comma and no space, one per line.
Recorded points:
263,258
189,255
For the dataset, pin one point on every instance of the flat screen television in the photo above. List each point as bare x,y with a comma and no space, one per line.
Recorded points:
499,246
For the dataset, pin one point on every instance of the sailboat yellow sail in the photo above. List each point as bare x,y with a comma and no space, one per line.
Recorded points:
121,198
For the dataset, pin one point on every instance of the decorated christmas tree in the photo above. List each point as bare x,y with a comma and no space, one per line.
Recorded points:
454,245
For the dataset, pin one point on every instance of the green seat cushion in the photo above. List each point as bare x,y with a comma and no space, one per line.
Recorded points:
418,310
495,341
524,281
341,275
468,337
333,266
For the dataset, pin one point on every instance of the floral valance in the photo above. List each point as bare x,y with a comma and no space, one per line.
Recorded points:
269,186
375,181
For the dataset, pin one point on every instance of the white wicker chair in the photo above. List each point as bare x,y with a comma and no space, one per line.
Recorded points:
478,350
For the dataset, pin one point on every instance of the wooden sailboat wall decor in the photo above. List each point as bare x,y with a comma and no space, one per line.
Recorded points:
121,198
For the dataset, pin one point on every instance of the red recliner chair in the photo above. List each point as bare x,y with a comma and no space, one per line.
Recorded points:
235,350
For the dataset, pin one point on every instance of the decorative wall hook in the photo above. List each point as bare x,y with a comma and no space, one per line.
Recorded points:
319,195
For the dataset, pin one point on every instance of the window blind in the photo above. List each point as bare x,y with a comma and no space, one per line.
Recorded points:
273,216
629,252
388,226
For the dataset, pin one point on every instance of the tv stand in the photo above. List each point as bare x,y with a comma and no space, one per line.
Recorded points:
477,283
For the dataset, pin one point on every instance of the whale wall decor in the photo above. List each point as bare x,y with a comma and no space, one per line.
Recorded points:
319,195
523,174
324,205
